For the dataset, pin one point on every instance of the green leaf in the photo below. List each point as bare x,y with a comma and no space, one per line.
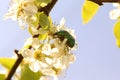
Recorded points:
27,74
43,36
7,62
89,9
44,21
2,76
42,3
117,32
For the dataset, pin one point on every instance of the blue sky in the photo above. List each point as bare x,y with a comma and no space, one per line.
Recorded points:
97,56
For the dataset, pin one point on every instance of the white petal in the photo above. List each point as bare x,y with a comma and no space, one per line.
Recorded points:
34,66
54,50
49,61
22,23
46,49
48,72
62,22
43,78
116,4
64,62
43,64
114,14
30,9
47,78
55,78
34,42
26,53
72,58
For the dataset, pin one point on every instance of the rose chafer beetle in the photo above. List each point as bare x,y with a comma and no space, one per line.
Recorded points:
62,34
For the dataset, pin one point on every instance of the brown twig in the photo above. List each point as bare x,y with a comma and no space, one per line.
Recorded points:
49,7
15,66
100,2
110,1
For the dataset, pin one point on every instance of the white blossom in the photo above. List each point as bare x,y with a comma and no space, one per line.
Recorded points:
52,56
21,10
115,13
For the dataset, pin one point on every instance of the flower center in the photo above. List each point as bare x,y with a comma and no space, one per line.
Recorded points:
38,55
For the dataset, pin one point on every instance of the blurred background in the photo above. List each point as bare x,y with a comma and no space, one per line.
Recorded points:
97,56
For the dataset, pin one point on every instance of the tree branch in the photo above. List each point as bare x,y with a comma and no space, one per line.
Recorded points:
100,2
49,7
110,1
46,10
15,66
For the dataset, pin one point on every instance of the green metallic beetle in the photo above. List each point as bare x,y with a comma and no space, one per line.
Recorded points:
62,34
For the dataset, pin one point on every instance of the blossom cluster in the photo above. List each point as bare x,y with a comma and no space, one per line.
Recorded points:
50,56
44,53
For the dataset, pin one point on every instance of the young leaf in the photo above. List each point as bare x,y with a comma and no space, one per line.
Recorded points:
43,36
7,62
89,9
42,3
2,77
27,74
44,21
117,33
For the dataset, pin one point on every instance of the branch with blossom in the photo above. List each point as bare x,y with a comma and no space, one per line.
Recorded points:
47,53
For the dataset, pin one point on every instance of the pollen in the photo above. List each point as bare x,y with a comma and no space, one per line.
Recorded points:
38,55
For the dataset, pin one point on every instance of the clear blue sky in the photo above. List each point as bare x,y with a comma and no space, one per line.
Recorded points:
97,57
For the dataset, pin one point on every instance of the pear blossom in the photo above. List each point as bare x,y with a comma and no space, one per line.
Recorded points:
115,13
51,56
22,11
44,53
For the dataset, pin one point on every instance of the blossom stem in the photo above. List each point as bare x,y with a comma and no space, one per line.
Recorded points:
17,63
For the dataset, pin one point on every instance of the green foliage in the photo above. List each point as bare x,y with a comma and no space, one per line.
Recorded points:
117,32
42,3
43,20
43,36
2,77
89,9
7,62
27,74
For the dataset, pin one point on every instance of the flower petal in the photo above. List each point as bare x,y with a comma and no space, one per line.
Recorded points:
114,14
34,66
26,53
116,4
